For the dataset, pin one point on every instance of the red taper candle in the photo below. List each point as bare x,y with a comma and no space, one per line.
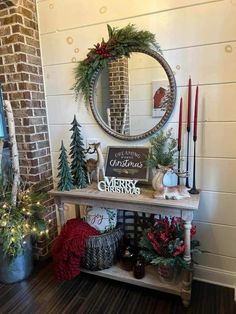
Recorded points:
180,124
189,104
195,116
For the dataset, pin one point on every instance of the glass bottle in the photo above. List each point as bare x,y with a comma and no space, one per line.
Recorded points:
139,268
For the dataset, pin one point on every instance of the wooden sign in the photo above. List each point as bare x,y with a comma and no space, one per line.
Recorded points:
118,185
127,162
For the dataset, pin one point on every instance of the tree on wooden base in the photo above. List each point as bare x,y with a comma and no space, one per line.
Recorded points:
77,154
66,182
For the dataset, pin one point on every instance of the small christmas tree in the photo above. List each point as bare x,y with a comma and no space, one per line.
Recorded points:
77,156
66,181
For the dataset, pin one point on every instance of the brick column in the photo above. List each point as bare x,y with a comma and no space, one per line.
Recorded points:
119,95
22,81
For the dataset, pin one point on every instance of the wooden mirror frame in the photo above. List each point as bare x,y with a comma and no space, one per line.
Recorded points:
164,119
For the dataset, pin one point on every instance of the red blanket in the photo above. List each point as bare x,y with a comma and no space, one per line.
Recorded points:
69,247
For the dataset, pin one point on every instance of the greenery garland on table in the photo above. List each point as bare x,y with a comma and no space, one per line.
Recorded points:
121,42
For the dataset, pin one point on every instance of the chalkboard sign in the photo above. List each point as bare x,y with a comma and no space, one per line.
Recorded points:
127,162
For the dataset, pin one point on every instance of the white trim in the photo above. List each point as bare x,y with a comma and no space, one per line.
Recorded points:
216,276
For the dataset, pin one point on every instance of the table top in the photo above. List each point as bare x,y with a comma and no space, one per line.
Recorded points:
144,199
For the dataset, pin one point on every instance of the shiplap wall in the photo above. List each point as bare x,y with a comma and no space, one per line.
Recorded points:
198,38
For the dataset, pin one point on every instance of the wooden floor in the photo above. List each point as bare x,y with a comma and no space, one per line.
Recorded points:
41,293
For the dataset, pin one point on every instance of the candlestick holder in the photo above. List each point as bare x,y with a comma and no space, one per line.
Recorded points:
187,162
179,149
194,189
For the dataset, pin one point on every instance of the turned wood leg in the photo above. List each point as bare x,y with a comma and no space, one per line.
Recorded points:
187,241
187,273
186,287
60,208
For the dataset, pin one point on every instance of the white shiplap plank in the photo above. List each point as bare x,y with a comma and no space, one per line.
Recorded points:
98,11
206,64
216,174
194,19
62,108
213,135
217,239
59,79
216,261
218,208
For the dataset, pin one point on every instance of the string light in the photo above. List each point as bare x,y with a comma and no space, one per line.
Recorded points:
4,206
38,203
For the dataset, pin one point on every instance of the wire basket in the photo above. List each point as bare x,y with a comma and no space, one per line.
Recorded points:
100,251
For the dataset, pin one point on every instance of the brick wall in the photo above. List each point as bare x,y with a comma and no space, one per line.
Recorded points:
119,95
22,81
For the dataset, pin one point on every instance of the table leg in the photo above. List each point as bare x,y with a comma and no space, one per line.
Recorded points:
61,209
187,278
186,287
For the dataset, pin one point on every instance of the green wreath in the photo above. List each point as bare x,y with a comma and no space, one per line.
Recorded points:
121,42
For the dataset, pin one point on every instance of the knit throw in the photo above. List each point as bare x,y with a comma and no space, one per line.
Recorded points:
69,247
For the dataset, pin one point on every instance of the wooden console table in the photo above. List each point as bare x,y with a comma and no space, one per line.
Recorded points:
140,203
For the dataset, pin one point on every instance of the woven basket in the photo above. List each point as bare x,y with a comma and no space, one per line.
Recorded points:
100,252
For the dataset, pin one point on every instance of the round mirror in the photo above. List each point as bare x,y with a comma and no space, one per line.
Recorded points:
132,98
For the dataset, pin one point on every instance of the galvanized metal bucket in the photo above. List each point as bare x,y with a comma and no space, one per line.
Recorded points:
20,267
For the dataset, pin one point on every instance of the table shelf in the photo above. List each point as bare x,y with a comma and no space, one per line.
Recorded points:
151,279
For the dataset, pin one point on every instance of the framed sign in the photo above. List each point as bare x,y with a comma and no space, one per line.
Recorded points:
127,162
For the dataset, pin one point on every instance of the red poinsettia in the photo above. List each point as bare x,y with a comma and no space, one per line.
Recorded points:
167,236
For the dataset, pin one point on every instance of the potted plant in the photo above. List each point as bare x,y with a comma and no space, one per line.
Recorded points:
162,159
163,245
163,149
17,224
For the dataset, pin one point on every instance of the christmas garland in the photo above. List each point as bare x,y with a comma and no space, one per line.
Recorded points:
121,42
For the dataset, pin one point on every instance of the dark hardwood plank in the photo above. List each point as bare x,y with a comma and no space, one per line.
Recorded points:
88,294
